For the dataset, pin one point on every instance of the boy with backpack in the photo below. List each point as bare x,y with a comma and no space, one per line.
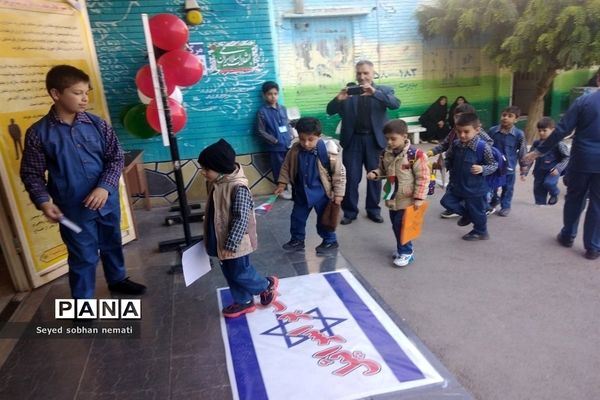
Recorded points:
317,177
407,173
510,140
449,139
469,161
549,167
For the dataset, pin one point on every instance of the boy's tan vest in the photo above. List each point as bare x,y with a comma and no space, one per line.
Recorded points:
220,194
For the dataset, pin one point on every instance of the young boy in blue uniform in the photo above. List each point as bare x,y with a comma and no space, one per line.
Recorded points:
317,177
230,229
549,167
510,140
83,158
274,127
467,191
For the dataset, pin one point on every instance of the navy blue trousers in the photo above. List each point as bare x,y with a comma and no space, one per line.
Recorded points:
362,150
102,234
396,218
508,190
300,214
545,184
277,158
471,207
243,279
582,185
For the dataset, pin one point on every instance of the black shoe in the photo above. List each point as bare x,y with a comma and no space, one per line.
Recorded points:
127,286
495,201
326,247
235,310
347,221
463,221
504,212
592,254
490,211
294,245
566,242
375,218
449,214
473,236
267,296
552,200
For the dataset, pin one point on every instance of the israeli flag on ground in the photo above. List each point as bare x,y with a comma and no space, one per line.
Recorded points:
324,337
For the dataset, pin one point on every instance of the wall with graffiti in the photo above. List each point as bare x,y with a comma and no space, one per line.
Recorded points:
319,45
310,47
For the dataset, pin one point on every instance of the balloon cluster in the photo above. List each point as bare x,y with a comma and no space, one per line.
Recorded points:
180,68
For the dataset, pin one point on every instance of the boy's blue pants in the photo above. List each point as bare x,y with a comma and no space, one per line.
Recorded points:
544,185
101,233
474,208
507,192
277,158
582,185
396,218
243,279
299,216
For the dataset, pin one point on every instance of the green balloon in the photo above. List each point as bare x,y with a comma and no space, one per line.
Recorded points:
124,112
135,122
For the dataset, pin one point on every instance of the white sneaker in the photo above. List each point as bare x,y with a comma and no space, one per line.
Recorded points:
403,260
286,195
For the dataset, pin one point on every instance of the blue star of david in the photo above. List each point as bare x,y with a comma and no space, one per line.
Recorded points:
281,328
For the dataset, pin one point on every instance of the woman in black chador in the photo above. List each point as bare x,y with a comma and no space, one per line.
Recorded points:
434,120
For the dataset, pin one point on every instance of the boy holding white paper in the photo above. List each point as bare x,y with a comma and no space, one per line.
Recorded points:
230,229
83,158
407,172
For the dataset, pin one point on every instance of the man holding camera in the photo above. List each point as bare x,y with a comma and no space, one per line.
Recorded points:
363,109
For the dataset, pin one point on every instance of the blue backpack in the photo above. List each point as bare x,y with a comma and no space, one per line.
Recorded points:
498,177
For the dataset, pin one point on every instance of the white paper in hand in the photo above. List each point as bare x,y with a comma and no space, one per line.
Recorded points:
195,262
69,224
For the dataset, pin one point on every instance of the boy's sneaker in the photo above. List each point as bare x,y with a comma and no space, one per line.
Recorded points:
235,310
552,200
270,294
403,260
449,214
294,245
327,247
127,286
286,195
463,221
504,212
473,236
490,211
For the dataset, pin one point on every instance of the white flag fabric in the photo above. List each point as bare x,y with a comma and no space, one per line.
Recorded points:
324,337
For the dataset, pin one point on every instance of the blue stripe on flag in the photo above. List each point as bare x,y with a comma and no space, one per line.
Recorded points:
250,384
402,367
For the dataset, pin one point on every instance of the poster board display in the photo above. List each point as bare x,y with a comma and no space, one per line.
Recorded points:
34,36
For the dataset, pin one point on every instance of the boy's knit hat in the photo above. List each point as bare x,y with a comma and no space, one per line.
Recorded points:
219,157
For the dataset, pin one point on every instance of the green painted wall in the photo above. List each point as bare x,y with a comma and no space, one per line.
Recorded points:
488,98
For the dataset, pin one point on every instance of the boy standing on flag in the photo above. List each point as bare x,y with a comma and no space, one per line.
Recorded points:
317,177
407,173
230,229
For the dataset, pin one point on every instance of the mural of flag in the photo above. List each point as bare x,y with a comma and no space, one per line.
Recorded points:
266,206
390,188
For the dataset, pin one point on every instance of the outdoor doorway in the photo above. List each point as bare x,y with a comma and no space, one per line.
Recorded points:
523,91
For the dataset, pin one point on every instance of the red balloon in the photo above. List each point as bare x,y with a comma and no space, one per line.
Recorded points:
168,31
185,68
178,115
143,81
